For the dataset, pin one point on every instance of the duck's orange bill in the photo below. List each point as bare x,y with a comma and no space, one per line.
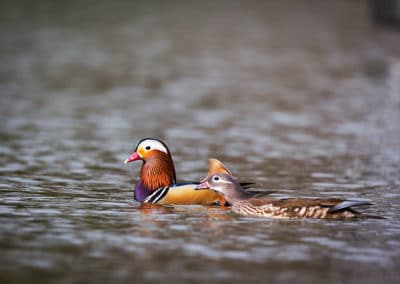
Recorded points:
203,185
134,157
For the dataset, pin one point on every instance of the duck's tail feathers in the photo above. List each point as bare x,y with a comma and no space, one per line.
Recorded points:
347,204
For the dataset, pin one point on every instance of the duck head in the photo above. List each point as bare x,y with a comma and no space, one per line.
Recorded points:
158,168
225,184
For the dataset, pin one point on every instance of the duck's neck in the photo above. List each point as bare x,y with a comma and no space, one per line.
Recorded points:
237,195
158,172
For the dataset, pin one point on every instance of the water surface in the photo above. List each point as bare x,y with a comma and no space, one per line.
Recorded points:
302,98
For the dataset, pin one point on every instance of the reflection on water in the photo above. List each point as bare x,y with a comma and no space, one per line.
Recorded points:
302,98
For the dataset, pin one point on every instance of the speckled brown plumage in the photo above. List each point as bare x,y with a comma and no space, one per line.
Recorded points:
293,208
330,208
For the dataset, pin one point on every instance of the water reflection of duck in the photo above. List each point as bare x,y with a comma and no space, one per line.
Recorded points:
157,183
330,208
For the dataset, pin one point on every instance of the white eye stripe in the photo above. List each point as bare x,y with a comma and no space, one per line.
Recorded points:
154,145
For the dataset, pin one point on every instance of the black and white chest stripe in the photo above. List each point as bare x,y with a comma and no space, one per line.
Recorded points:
157,195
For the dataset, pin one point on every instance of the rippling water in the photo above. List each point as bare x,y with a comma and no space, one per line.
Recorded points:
301,97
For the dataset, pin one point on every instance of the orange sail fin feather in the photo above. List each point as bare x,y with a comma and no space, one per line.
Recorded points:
216,167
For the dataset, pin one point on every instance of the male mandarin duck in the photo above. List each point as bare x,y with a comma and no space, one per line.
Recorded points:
243,204
157,183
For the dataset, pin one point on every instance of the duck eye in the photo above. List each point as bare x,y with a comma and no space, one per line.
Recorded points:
147,148
216,178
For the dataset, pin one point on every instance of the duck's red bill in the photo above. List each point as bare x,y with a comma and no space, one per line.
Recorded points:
134,157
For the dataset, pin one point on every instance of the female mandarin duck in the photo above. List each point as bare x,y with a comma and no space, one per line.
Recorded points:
242,204
157,183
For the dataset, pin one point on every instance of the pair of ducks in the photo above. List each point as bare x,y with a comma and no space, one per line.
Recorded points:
157,185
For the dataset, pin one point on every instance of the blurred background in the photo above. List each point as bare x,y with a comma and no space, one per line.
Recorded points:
302,97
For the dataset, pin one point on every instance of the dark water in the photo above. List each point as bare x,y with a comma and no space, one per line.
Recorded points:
302,97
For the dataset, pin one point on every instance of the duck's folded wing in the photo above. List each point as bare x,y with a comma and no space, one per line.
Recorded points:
185,194
347,204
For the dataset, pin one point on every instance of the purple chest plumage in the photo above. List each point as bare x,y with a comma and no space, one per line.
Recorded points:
141,191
